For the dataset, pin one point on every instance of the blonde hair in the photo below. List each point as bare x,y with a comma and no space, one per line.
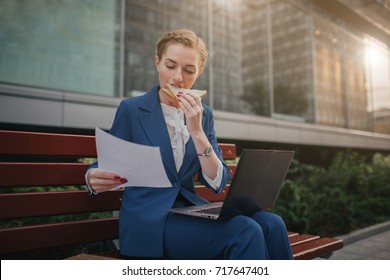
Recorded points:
185,37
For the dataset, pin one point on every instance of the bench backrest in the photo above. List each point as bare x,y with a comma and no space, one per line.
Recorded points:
31,164
29,160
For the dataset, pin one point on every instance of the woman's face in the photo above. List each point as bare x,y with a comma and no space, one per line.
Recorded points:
179,66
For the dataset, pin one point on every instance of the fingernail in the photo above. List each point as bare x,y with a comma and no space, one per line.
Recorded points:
117,177
123,181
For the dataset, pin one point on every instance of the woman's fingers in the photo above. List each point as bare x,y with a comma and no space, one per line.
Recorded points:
190,103
102,181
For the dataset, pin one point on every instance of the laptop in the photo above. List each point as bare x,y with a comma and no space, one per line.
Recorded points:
255,186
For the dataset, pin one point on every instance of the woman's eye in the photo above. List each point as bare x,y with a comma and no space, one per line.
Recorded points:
170,67
189,72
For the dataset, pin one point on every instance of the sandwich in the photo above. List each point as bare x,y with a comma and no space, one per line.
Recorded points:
174,92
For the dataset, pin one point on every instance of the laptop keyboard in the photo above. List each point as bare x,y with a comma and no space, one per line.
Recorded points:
213,211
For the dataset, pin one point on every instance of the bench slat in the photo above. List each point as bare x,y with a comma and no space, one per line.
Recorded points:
23,239
46,144
24,174
228,151
210,195
316,248
52,144
321,247
298,239
71,202
36,204
21,174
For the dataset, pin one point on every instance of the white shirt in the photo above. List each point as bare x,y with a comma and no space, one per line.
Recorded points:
179,136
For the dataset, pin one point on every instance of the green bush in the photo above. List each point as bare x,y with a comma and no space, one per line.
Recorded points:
351,194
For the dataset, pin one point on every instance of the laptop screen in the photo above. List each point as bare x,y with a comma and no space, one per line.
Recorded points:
257,181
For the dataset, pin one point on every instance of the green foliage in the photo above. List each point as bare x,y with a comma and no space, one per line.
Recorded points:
351,194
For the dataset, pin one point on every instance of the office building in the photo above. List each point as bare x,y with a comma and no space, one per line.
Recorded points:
306,73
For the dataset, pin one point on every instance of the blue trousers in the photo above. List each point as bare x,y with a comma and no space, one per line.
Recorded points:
260,236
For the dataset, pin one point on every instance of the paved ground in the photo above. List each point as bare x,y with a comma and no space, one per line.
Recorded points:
372,243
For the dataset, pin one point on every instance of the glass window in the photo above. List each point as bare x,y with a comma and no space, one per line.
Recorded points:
255,59
291,58
146,21
66,45
377,59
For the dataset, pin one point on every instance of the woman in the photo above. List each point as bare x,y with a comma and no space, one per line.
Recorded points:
184,131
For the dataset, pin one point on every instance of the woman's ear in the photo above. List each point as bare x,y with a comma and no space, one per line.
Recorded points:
156,60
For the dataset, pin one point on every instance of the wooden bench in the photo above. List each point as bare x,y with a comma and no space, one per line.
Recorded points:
29,160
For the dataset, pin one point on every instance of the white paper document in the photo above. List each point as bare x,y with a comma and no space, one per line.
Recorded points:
141,165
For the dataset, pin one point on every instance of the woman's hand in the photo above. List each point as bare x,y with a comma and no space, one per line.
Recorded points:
192,108
102,181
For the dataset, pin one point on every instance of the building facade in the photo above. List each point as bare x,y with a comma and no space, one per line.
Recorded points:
280,71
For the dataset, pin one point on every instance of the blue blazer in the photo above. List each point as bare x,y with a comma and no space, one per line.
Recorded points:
144,210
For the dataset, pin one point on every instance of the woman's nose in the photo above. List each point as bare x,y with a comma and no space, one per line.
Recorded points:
178,76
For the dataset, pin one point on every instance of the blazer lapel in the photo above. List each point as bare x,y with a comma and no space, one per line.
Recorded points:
152,120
